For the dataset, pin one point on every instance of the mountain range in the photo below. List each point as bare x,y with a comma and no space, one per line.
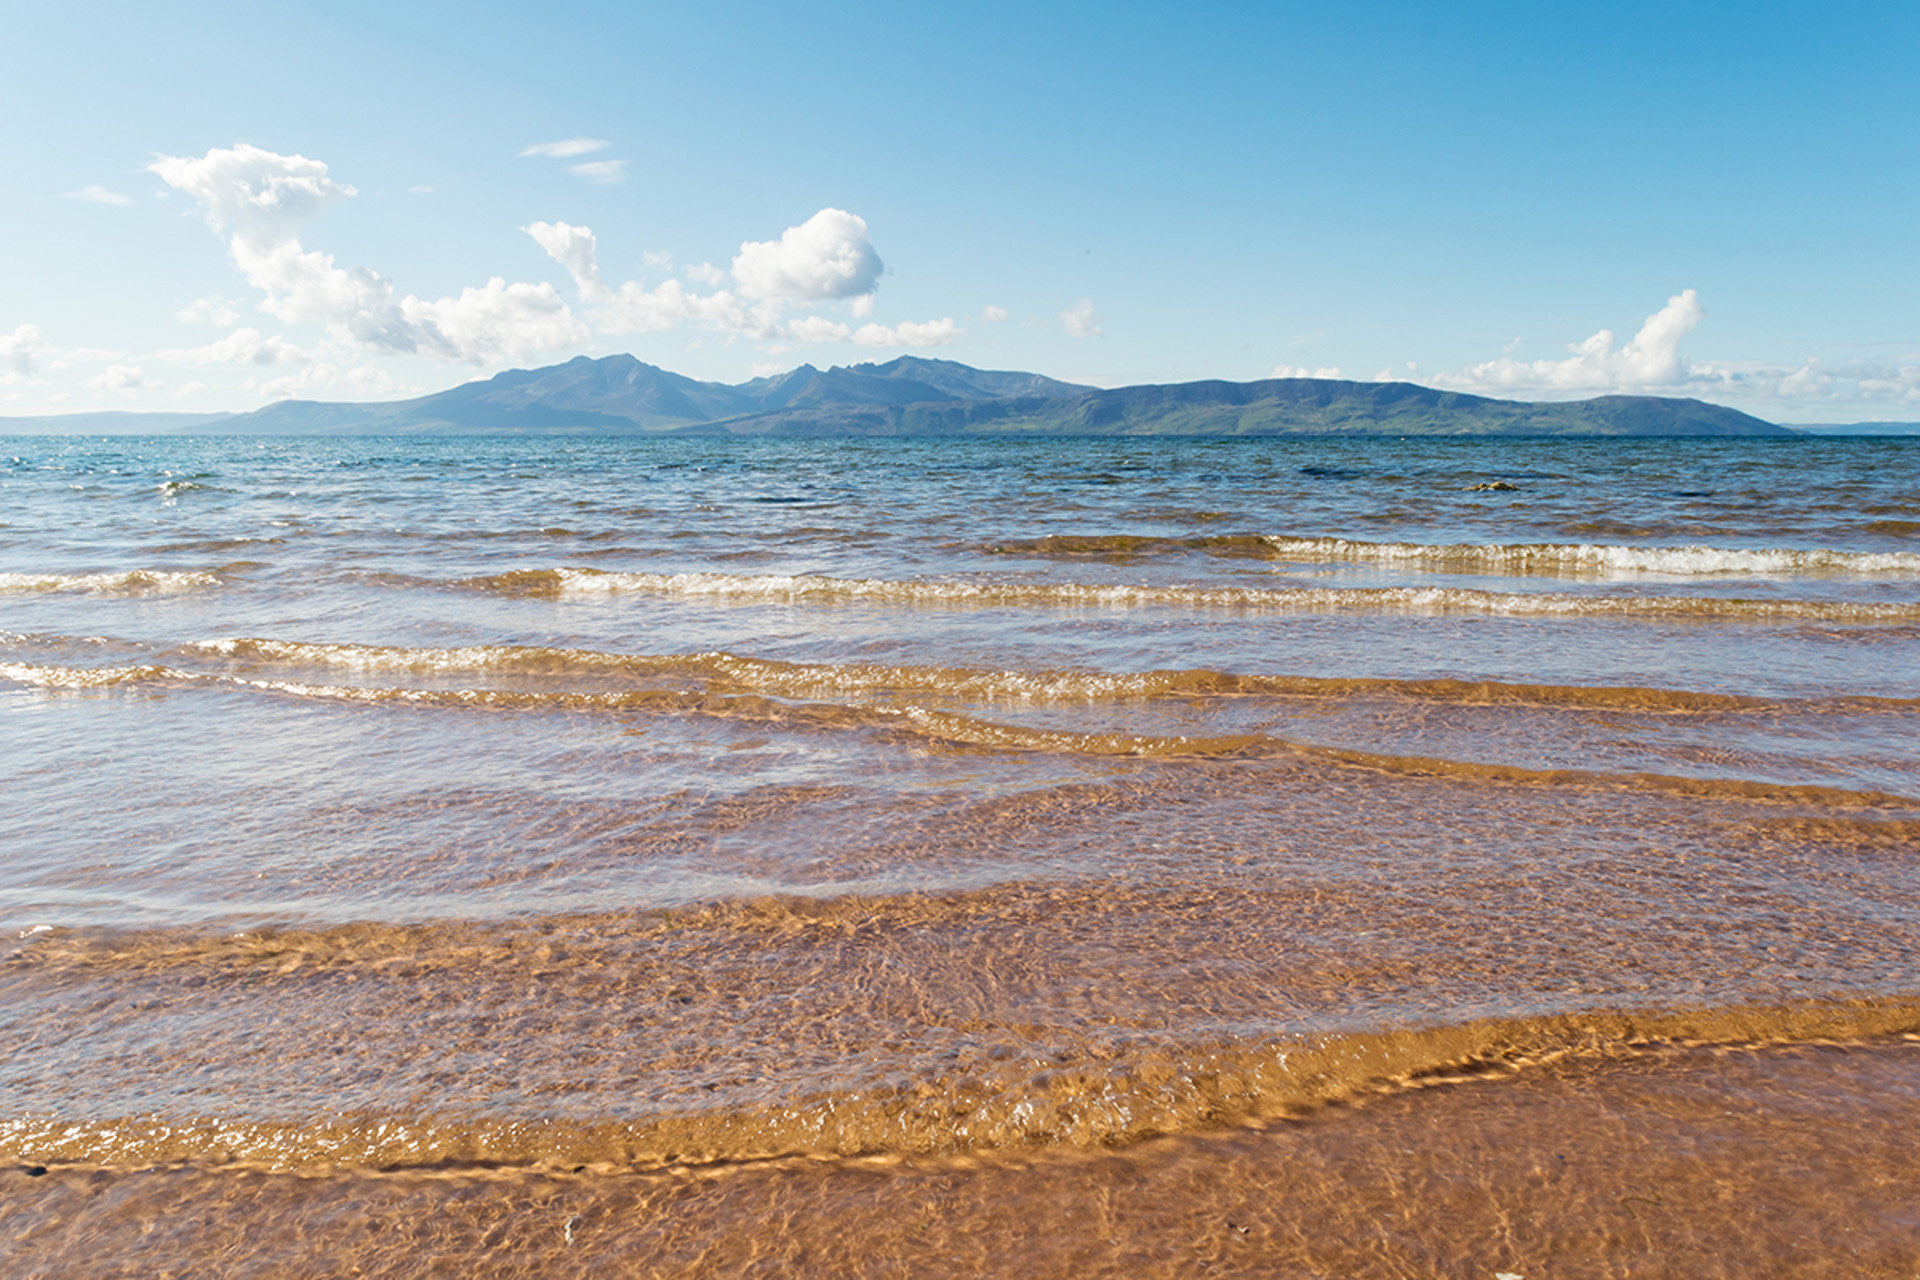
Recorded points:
912,396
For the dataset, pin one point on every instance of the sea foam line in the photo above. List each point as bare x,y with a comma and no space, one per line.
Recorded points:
131,582
1603,559
781,588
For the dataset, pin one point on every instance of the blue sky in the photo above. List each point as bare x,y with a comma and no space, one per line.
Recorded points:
213,206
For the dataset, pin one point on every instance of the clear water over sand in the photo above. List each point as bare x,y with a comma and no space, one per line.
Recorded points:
877,857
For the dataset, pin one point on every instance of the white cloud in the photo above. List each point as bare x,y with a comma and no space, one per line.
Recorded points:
1651,359
262,198
600,172
82,355
1900,383
242,346
817,329
573,248
98,195
124,378
633,308
1301,371
498,321
1808,381
826,257
567,147
933,333
421,190
213,310
654,260
19,353
1080,321
993,315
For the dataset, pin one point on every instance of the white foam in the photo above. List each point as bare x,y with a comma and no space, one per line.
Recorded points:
1415,600
132,582
1601,559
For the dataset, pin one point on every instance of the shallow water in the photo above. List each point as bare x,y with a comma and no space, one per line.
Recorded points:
887,857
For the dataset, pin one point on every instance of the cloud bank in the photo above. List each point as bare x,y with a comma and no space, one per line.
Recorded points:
1650,360
1652,363
260,200
828,259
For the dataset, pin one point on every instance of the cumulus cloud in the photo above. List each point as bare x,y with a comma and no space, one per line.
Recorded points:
1651,359
1079,320
1301,371
993,315
826,257
573,248
1651,362
20,353
98,195
260,199
600,172
242,346
567,147
632,307
498,321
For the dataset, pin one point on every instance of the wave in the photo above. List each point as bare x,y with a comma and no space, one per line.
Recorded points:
730,672
1425,601
1547,559
954,731
133,582
1106,1100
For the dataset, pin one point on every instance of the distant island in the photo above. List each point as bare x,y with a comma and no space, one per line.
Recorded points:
911,396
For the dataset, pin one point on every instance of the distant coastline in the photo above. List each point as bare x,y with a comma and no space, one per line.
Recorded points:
915,397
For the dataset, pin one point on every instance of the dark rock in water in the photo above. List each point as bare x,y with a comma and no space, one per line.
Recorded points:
1492,486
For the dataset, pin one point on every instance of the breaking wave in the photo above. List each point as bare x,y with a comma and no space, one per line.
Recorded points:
778,588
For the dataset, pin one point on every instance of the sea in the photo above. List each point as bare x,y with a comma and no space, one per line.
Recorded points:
945,857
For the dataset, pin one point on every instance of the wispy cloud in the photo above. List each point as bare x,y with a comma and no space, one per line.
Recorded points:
1079,320
242,346
215,310
600,172
124,378
98,195
567,147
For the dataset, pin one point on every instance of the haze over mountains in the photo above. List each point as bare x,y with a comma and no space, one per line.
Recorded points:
912,396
